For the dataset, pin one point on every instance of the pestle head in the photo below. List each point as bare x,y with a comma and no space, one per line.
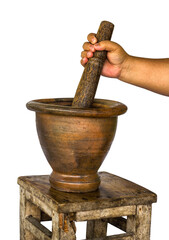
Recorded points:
87,87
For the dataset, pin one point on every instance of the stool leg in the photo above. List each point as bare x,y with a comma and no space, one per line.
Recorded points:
22,213
63,230
55,226
26,209
34,211
143,222
140,223
96,229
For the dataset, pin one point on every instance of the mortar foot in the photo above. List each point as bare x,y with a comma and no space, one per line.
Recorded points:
74,183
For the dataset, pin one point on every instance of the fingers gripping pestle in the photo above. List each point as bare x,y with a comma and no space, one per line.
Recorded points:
89,81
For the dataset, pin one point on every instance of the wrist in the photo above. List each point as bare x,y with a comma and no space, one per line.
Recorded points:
126,67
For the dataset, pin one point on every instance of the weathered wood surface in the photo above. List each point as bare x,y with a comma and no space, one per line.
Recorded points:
131,224
113,192
37,229
69,234
27,209
118,222
96,229
45,217
34,211
43,203
128,236
140,223
62,227
105,213
22,213
143,222
39,202
88,83
30,217
55,226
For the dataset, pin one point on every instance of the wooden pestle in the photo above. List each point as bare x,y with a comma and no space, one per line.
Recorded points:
88,83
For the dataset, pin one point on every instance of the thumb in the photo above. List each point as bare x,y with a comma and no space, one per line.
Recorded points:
106,45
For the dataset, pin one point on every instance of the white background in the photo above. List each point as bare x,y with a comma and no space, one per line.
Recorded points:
40,45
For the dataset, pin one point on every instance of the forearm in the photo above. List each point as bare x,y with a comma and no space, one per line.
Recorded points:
151,74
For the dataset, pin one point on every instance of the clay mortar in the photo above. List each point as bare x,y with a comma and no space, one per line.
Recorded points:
75,141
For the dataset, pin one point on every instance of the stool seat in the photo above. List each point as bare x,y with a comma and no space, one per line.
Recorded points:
115,198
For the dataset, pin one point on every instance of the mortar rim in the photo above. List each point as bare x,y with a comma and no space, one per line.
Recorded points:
101,107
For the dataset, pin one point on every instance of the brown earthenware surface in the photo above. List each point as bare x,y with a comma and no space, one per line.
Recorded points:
62,106
75,141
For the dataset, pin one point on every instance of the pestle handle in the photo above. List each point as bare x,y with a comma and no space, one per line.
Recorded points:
89,81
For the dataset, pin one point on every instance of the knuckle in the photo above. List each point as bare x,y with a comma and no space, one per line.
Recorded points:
83,53
92,37
86,45
89,35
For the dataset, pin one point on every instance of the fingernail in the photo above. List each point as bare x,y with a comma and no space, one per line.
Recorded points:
89,54
84,60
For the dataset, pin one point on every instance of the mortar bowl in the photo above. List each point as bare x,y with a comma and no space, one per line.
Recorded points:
75,141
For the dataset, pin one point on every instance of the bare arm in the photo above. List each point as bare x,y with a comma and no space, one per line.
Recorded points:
151,74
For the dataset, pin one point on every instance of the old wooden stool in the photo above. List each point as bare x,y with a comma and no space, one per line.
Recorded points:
115,199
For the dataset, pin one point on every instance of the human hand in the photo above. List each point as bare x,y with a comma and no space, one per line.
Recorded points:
116,62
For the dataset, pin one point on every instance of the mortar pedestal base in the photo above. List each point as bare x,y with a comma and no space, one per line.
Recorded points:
74,183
